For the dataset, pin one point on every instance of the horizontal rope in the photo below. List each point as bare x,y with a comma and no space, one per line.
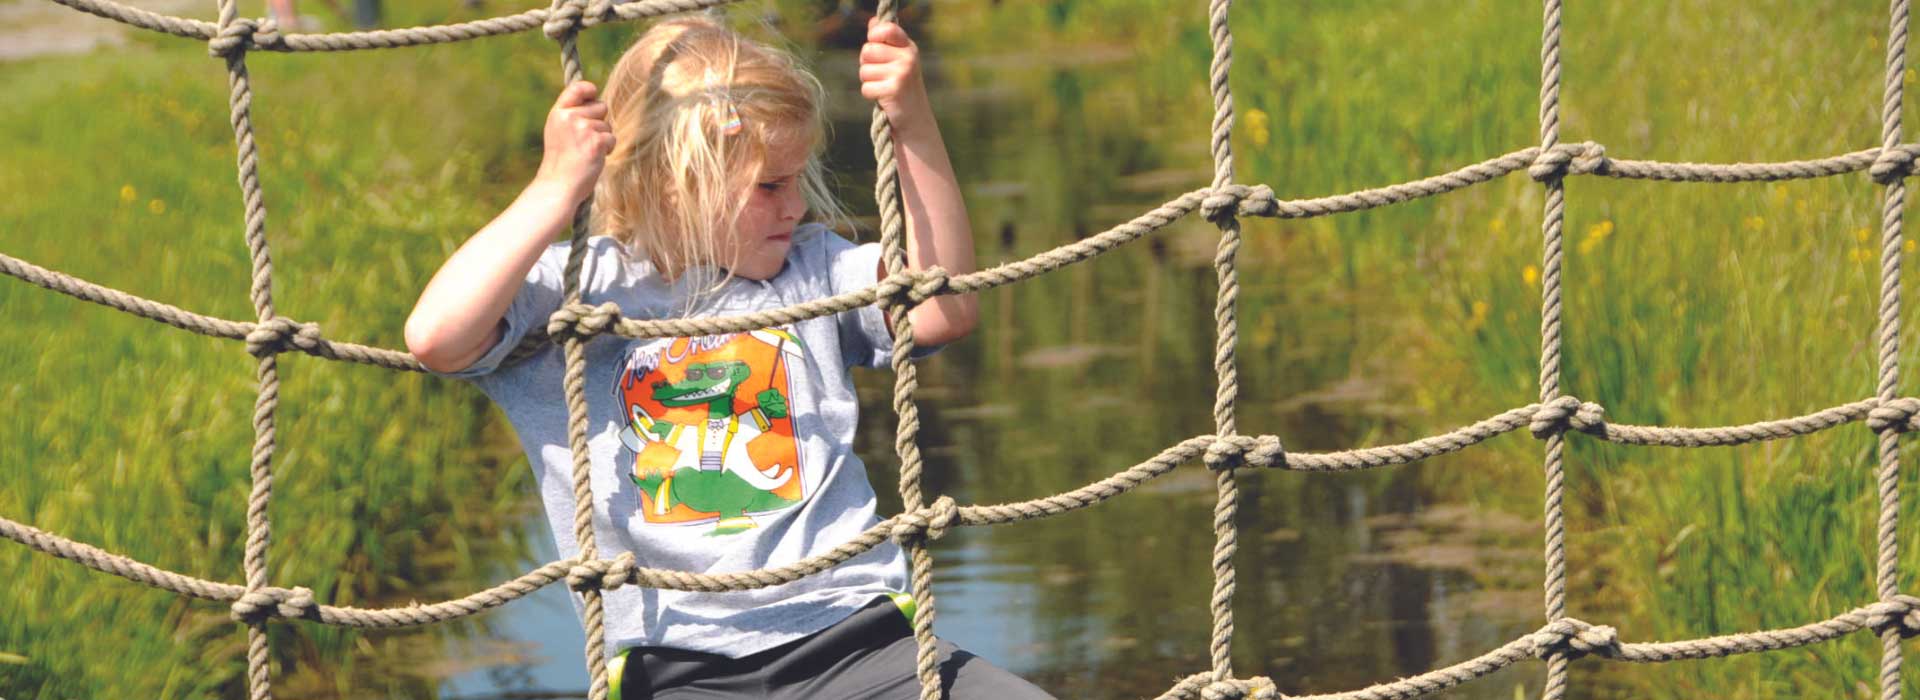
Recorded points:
278,335
260,36
1576,638
1253,201
974,515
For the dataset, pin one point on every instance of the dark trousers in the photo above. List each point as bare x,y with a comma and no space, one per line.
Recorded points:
869,655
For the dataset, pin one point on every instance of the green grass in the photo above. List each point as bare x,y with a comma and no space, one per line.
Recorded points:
136,437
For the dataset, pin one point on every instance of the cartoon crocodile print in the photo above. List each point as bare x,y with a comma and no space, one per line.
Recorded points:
711,471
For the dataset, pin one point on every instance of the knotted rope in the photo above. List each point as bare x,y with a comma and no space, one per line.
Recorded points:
262,604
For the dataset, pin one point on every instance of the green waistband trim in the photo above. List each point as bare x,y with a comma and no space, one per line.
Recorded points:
904,601
615,667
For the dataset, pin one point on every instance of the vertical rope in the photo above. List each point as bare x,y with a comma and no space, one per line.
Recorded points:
1226,540
267,372
566,14
1887,578
906,380
1551,226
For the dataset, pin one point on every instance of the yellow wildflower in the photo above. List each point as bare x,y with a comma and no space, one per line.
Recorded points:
1861,234
1755,222
1257,127
1596,234
156,206
127,193
1908,246
1530,275
1479,317
1499,226
1860,255
1779,193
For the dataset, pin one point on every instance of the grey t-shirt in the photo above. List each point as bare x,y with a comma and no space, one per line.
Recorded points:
710,454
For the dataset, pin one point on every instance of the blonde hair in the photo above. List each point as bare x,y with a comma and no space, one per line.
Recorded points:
696,111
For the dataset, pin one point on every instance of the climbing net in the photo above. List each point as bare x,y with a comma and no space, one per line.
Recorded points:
1892,616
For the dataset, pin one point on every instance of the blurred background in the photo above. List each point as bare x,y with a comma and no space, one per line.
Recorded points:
1686,304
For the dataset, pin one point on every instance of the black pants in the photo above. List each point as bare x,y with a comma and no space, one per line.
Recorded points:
869,655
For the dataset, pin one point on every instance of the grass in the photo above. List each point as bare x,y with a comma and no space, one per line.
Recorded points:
135,437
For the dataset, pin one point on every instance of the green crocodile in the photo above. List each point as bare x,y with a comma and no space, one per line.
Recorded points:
713,472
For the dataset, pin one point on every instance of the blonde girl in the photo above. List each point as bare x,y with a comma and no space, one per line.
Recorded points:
716,453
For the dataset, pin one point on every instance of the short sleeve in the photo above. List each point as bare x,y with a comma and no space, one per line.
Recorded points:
539,296
865,340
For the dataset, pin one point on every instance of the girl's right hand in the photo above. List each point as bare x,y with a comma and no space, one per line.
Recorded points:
578,140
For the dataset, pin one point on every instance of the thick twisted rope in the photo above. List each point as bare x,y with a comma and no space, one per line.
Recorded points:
1891,168
230,44
1551,226
898,306
566,17
1227,332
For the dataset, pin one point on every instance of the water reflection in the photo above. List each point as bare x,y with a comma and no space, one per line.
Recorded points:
1344,580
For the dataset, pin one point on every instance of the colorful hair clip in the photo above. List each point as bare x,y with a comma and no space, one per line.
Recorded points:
732,125
723,102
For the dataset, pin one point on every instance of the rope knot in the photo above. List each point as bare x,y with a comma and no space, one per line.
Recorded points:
1256,688
1573,639
601,574
273,336
1559,415
1901,613
928,523
567,17
1239,200
913,286
1555,163
1896,415
1231,451
1892,164
262,604
245,34
582,321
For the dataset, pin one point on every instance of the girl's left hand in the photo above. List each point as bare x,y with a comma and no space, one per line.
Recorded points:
890,75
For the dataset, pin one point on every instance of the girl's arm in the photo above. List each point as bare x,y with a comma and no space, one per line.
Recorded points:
458,316
938,232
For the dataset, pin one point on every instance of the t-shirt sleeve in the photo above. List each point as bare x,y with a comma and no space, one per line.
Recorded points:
865,339
539,296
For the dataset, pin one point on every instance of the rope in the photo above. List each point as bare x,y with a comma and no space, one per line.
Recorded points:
1227,333
1552,172
1890,169
1893,616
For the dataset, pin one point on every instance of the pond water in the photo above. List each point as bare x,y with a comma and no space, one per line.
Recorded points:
1344,580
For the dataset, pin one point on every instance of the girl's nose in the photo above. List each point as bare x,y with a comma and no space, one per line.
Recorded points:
795,204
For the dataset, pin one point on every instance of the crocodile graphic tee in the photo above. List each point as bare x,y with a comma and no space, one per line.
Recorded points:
710,454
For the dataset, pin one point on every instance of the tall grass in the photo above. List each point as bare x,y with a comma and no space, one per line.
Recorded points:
136,437
1686,304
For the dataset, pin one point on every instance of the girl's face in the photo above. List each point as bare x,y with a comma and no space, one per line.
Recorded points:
759,243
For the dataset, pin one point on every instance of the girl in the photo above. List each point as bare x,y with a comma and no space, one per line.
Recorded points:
718,453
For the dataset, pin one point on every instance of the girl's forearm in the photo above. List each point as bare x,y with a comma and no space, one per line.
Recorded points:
458,315
938,232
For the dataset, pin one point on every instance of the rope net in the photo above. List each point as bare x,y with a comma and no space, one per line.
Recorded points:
1892,615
